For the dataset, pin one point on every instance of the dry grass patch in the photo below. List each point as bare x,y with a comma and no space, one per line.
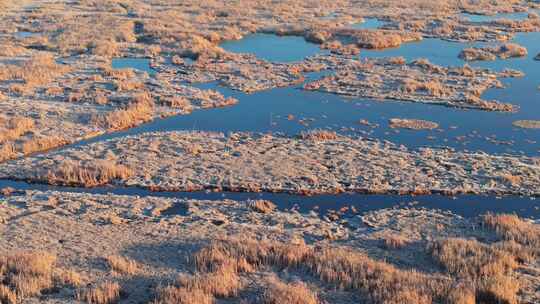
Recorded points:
17,136
122,265
68,278
38,144
471,259
181,295
341,267
25,275
432,88
222,283
395,241
513,180
37,71
278,292
7,151
13,128
262,206
485,267
511,227
477,273
101,34
104,293
71,173
140,109
461,294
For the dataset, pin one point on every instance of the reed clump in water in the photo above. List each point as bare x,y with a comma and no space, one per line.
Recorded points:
504,51
319,135
413,124
527,124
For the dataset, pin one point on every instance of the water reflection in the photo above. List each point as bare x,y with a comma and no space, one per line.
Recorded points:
465,205
368,23
488,18
273,48
140,64
25,34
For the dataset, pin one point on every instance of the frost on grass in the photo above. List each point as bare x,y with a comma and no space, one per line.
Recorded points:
87,174
313,163
28,274
275,257
418,81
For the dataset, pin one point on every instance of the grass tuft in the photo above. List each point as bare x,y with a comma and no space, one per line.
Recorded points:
105,293
87,175
122,265
139,110
262,206
25,274
278,292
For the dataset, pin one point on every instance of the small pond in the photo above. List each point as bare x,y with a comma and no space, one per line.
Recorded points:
488,18
273,48
26,34
140,64
368,23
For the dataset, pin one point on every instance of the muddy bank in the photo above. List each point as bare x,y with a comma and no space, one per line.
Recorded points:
318,162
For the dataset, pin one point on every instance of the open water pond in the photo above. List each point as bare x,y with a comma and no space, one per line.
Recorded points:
273,48
291,110
500,16
140,64
26,34
368,23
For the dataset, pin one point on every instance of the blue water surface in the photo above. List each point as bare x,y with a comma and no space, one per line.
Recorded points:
140,64
464,205
271,110
461,129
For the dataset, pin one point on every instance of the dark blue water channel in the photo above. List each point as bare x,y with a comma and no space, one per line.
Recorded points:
465,205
